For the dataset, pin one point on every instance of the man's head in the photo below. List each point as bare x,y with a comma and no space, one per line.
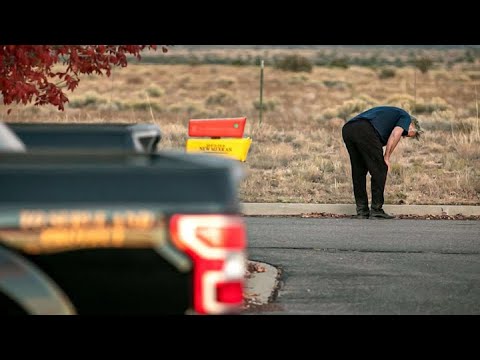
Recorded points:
414,130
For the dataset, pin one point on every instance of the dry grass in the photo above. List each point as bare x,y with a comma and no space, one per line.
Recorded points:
297,154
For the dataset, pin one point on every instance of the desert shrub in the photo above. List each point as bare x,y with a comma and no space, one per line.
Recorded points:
134,80
347,110
297,79
328,113
145,106
423,64
155,91
404,101
427,107
340,63
295,63
386,73
114,106
352,107
474,75
222,98
225,81
267,105
90,99
336,84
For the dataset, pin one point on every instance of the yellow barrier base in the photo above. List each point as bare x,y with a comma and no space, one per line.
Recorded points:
233,148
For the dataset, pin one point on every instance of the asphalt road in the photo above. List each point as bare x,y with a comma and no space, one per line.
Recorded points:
350,266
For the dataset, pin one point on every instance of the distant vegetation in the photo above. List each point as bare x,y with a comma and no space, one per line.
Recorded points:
303,60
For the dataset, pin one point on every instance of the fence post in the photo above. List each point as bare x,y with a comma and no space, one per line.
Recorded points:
414,91
261,93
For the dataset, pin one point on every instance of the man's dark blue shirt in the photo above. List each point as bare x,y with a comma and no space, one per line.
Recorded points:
384,119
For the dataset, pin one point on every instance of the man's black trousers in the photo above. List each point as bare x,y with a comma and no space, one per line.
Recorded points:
366,155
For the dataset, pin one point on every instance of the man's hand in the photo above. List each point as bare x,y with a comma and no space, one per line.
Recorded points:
392,142
387,161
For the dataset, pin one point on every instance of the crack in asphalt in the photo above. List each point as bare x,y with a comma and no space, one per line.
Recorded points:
333,250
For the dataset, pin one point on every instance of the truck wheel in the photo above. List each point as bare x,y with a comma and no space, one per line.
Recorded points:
10,307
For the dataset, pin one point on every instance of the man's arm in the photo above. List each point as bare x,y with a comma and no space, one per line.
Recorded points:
392,142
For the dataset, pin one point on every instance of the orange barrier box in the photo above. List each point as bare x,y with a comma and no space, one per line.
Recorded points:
234,146
215,128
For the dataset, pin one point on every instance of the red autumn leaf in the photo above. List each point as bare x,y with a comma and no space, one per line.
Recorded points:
26,70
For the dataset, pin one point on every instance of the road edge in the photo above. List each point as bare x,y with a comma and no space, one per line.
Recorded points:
275,209
261,285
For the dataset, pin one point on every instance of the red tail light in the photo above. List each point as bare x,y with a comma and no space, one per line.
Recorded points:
230,292
217,245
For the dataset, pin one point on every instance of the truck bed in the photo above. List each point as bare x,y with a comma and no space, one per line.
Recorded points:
147,273
120,136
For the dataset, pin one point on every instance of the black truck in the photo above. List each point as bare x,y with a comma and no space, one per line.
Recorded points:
98,136
118,232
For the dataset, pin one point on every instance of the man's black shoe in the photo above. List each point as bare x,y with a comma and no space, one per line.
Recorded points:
380,214
362,214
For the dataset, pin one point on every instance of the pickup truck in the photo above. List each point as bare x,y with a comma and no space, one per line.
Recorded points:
100,136
118,232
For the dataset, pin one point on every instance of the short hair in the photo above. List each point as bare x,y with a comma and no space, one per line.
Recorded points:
418,129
